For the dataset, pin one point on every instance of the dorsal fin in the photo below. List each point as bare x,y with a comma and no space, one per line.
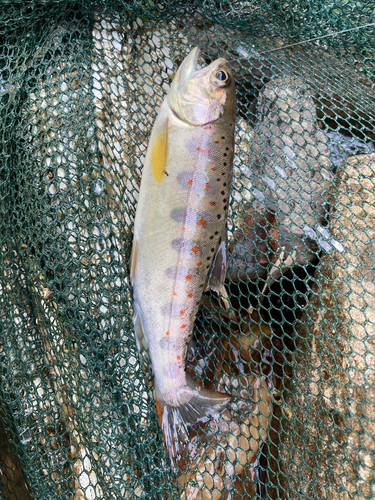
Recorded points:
219,266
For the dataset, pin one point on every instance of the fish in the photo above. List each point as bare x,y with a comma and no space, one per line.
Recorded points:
180,237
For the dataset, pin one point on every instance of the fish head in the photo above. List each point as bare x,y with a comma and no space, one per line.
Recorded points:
201,96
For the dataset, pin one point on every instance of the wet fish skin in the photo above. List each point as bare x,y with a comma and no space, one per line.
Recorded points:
179,241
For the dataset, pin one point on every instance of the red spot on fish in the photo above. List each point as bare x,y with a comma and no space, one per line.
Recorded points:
180,366
206,186
190,294
188,276
213,168
199,263
174,293
212,203
183,326
201,150
167,333
184,228
201,222
195,249
190,182
207,127
219,90
216,142
178,357
182,312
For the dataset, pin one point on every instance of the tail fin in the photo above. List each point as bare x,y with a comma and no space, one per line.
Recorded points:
176,420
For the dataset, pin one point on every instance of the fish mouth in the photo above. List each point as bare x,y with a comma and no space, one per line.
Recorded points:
194,54
189,65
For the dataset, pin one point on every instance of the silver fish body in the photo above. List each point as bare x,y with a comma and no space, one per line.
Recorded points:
179,245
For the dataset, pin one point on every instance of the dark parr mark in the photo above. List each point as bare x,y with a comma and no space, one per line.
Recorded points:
195,179
177,244
179,214
167,309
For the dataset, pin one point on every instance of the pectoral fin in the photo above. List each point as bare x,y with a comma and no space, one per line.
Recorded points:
159,150
218,270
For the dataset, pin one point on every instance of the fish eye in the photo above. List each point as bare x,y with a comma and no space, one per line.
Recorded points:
221,78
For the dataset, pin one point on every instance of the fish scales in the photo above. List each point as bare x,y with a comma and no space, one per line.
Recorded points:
180,236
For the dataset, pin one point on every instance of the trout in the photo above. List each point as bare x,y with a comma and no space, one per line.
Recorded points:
180,236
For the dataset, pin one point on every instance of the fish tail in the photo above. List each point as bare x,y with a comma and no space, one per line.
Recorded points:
175,421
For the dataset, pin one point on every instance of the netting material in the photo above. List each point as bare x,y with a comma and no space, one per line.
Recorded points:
80,88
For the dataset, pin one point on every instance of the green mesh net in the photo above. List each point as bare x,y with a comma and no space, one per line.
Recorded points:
291,335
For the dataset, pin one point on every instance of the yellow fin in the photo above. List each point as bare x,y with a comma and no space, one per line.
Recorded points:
159,150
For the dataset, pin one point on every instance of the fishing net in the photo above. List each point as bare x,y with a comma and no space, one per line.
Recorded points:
291,335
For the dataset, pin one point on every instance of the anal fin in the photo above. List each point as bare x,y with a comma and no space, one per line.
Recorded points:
219,266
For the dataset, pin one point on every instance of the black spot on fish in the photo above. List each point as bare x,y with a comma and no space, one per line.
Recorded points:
219,216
